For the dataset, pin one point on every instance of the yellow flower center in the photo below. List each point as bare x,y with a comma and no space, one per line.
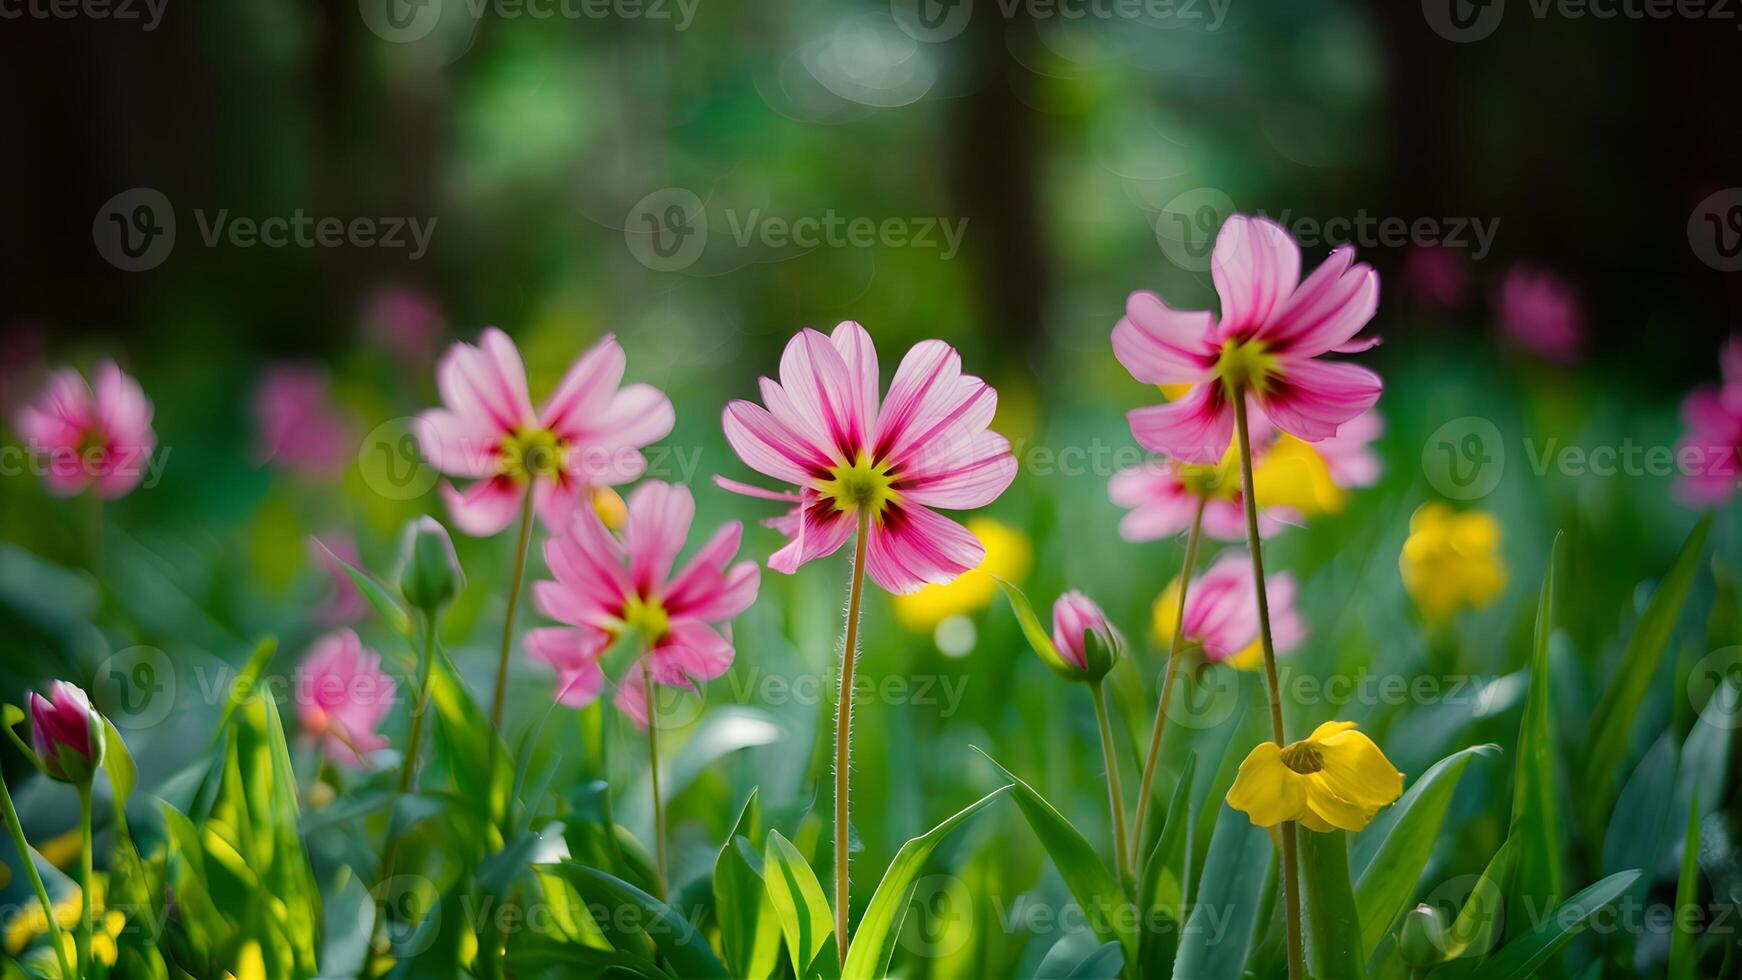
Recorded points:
1245,365
1304,758
1210,482
530,453
647,617
860,487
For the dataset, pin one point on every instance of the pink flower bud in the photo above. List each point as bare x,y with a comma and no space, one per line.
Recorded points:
66,733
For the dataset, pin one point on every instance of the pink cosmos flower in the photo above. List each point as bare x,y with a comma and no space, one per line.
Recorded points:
1221,615
1349,454
588,433
345,603
62,721
342,696
298,425
1710,474
405,322
1268,341
603,586
1163,494
98,439
853,457
1074,615
1541,311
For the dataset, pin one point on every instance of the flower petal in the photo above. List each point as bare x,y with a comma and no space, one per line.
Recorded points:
1311,398
1328,309
914,546
768,446
486,507
821,531
1266,790
1357,771
1195,429
586,390
814,375
659,520
974,478
1256,267
1161,345
456,445
691,651
927,379
860,355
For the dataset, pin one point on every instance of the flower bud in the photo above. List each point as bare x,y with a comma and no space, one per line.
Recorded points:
67,734
1422,941
1084,638
430,572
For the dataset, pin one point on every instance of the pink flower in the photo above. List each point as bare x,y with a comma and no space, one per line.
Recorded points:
1074,615
60,733
925,445
345,603
343,695
1268,342
604,586
1710,474
99,439
589,433
1349,454
298,425
1436,275
405,322
1163,494
1541,311
1221,615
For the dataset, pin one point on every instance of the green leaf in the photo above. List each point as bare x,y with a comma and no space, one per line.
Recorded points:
247,681
1522,957
1096,890
1388,880
118,763
1683,957
1167,877
1225,909
391,612
543,957
1638,831
1105,963
1472,933
1535,826
1036,634
1333,925
874,942
749,927
1613,720
464,738
802,906
684,949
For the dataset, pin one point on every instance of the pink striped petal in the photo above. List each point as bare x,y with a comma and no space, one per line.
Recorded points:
121,408
690,652
816,379
586,391
973,478
1256,267
1161,345
860,356
768,446
807,427
1328,309
456,445
1313,397
925,383
1195,429
697,584
914,546
821,531
759,493
659,521
486,507
952,429
487,382
124,466
575,655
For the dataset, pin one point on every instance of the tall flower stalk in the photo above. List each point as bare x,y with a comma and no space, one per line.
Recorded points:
653,779
1170,673
518,578
873,469
56,937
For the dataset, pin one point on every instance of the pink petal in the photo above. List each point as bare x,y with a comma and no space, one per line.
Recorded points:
486,507
860,356
575,655
759,493
768,446
589,567
914,546
690,651
821,531
1256,267
926,381
1313,397
1161,345
807,427
120,406
557,501
659,521
815,377
124,467
973,478
456,445
698,583
1329,308
735,592
1195,429
948,432
586,390
631,697
1161,507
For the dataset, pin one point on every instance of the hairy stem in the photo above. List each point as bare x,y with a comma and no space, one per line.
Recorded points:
1290,861
844,734
1170,673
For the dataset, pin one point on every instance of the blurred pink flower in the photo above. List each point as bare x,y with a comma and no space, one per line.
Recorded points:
405,322
1541,312
588,433
1349,454
1436,275
63,721
1073,616
1221,614
1163,494
297,424
1269,339
345,604
1707,455
604,586
342,696
926,445
101,439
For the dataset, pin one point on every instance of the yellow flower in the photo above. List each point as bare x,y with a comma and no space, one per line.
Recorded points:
1451,561
1008,557
1292,474
1166,619
1335,779
610,508
30,922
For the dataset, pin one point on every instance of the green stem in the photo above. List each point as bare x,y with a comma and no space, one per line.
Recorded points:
55,936
84,935
513,606
414,743
653,772
1290,861
1170,673
1115,796
844,735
